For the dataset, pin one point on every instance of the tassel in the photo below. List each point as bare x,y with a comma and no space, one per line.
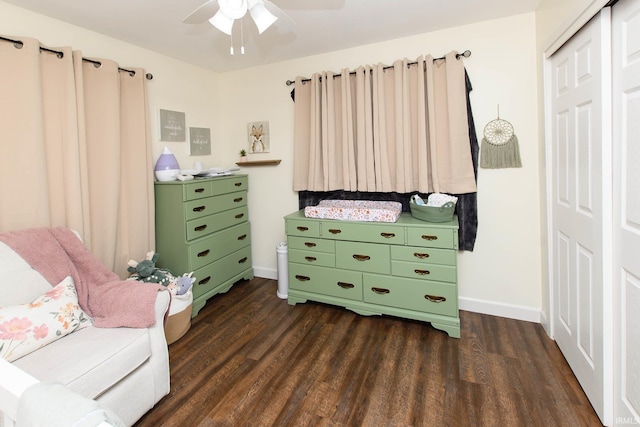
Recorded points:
499,156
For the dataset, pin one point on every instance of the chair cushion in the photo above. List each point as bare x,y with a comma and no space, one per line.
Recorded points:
25,328
20,283
89,361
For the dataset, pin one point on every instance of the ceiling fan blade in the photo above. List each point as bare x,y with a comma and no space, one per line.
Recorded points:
276,10
203,13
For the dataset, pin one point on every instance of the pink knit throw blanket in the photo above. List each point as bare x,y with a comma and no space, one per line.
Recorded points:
57,253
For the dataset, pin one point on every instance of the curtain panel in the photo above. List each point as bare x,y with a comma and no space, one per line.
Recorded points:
387,129
75,150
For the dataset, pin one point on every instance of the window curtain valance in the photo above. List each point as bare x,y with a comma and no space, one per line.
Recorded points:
387,129
75,149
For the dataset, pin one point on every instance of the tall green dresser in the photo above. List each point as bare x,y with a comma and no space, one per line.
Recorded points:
203,226
406,269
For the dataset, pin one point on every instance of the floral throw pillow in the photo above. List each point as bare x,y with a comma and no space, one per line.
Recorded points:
27,327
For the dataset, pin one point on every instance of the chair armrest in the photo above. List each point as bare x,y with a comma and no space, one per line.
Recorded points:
159,349
162,305
13,382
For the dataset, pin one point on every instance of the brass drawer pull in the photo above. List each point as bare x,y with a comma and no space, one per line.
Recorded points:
200,228
203,253
309,244
388,235
204,281
242,261
381,291
244,236
199,208
421,256
310,258
300,228
237,199
199,190
428,237
335,231
303,278
361,257
435,298
238,184
240,215
422,272
345,285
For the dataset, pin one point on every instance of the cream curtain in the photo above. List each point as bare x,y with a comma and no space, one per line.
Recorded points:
75,150
389,129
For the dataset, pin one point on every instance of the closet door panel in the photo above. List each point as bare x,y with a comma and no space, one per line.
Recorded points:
626,216
579,194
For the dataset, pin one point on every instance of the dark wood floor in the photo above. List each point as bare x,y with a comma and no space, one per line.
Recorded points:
250,359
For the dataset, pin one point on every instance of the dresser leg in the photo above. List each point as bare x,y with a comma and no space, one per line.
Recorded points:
293,300
453,331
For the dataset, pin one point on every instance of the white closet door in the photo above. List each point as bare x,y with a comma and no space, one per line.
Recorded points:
580,162
626,218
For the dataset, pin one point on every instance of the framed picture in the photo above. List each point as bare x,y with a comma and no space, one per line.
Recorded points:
199,141
172,126
258,137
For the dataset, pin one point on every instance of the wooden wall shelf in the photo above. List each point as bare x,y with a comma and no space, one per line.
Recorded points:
259,163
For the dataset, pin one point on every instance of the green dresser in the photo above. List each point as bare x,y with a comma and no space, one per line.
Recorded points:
406,269
203,226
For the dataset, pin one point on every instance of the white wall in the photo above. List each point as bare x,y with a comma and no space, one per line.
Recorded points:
503,274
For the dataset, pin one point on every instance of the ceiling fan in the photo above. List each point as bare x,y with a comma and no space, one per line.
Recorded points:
228,11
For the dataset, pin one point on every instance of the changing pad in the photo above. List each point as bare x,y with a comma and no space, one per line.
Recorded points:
355,210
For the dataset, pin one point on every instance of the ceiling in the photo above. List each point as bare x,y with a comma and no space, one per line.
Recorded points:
315,26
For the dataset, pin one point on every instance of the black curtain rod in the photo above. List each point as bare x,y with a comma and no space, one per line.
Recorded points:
18,44
466,54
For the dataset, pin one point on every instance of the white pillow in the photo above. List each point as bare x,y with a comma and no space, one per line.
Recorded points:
28,327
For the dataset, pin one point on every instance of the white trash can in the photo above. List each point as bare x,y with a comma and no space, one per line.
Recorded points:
283,270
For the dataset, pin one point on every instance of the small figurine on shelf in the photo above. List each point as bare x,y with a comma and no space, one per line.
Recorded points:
243,155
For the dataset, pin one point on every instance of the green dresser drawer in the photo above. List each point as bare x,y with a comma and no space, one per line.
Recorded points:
363,257
326,281
217,272
415,270
366,232
219,244
206,225
210,205
431,237
310,244
424,255
296,227
238,183
423,296
222,186
196,190
324,259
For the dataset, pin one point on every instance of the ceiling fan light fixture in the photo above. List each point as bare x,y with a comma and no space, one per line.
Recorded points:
261,16
234,9
222,22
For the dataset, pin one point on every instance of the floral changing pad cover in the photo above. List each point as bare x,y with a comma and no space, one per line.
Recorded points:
355,210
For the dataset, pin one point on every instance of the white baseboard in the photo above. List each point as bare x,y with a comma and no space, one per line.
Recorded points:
469,304
267,273
500,309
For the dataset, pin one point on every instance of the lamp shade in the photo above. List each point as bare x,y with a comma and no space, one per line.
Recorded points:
222,22
167,167
262,17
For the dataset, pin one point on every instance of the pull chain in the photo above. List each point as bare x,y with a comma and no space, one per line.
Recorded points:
241,37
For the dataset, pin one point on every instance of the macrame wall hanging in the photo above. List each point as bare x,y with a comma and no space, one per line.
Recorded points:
499,146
